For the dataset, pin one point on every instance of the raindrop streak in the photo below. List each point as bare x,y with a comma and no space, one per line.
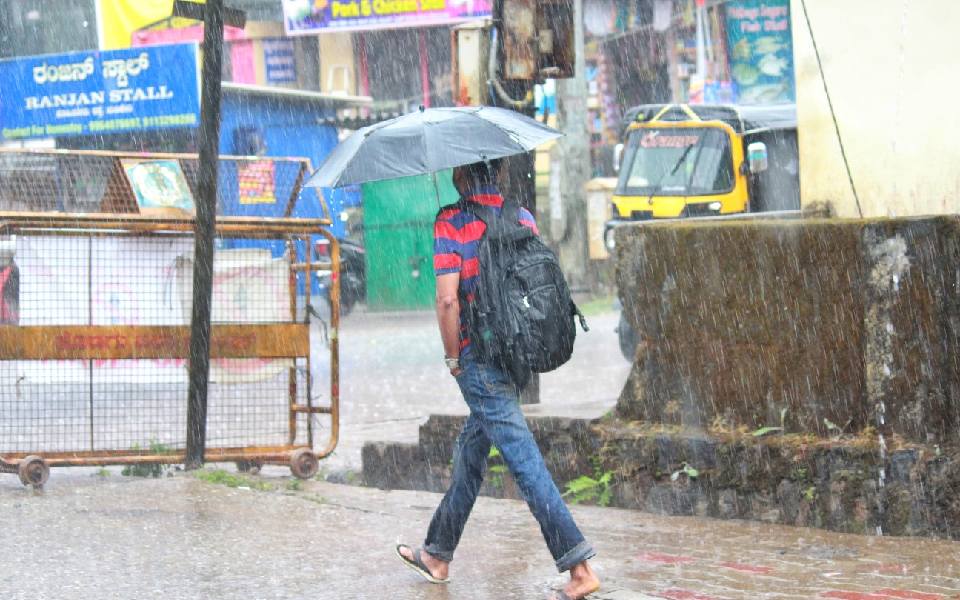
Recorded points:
881,471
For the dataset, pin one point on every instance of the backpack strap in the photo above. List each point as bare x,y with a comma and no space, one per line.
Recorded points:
580,317
484,213
499,227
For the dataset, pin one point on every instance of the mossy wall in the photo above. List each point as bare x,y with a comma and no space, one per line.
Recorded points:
823,322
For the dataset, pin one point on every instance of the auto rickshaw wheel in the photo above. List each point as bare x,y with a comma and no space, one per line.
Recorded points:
304,463
627,338
33,471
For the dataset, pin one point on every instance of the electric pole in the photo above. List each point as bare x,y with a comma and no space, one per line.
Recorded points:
213,16
573,152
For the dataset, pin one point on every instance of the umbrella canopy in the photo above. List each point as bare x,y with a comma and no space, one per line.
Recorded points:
427,141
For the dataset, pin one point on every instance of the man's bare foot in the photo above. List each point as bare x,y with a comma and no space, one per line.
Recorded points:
438,568
583,581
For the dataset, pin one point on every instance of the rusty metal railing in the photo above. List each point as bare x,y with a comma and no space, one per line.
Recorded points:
93,350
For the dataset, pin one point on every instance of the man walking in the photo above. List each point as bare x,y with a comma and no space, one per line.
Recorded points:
495,417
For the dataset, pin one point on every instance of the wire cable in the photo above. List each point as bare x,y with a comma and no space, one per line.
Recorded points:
833,115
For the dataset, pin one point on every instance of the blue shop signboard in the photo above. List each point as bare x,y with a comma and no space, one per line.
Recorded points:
98,92
280,62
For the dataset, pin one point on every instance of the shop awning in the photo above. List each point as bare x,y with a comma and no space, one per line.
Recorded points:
328,100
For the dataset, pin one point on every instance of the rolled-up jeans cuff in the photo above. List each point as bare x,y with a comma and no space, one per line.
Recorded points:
435,552
577,555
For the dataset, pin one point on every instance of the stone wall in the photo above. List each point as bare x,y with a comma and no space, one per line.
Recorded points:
791,479
825,325
567,445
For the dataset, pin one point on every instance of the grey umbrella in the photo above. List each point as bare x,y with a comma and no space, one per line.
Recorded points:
427,141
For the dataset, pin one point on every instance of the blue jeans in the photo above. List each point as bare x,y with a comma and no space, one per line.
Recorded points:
495,418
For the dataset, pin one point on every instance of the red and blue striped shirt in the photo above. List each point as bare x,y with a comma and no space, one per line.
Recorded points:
456,237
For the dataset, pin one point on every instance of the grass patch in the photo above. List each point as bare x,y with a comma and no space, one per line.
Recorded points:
148,470
221,477
348,476
597,306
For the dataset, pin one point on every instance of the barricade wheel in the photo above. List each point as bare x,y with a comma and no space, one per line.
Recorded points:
249,466
33,471
304,464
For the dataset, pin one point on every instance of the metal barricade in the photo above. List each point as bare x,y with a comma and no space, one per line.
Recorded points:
93,366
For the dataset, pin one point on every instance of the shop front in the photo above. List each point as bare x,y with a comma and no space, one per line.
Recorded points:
147,99
687,51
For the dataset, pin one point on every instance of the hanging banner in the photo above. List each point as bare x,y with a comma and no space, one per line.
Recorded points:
305,17
761,51
83,93
122,18
256,182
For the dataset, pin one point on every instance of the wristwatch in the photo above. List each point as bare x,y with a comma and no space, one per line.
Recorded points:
452,363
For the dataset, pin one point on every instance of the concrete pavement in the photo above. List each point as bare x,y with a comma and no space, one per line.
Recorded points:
89,536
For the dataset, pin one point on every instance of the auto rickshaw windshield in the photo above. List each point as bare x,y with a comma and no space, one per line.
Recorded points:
683,161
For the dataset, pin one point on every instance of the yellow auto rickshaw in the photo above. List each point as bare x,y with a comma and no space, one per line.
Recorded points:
680,160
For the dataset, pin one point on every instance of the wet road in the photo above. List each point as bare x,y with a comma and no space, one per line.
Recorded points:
175,538
393,378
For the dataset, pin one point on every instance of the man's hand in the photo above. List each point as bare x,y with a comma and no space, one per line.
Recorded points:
448,313
453,364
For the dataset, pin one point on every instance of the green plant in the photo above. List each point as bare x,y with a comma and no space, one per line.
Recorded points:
148,470
768,430
294,485
590,489
221,477
810,493
102,472
497,469
834,429
685,469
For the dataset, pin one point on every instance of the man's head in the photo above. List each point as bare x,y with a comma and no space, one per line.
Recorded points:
471,177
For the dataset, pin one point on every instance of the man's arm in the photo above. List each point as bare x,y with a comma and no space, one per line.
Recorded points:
448,314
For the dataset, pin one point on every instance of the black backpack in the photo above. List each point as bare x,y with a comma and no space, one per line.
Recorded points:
521,317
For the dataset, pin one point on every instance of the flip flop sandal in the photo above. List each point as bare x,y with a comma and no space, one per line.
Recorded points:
417,565
562,595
